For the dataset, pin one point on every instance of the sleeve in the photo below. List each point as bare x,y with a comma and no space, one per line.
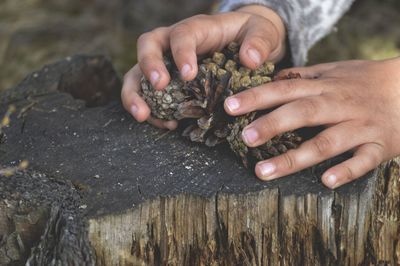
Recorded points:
307,21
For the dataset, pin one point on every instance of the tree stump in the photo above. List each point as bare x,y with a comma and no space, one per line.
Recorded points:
102,189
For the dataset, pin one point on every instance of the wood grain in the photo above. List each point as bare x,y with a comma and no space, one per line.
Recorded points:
116,192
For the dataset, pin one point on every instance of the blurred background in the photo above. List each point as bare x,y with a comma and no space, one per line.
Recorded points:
37,32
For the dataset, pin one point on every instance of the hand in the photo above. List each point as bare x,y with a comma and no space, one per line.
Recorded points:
358,102
259,29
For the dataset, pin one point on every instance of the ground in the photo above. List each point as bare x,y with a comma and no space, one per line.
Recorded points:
36,32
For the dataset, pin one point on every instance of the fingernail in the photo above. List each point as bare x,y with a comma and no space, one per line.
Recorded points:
250,135
134,110
266,170
331,181
186,69
154,77
254,56
232,104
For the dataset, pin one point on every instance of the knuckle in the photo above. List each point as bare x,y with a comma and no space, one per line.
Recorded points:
260,42
289,161
264,27
133,74
372,160
349,176
127,76
151,36
270,126
374,157
379,150
252,97
145,62
145,37
181,30
309,109
160,30
200,17
288,87
322,145
179,52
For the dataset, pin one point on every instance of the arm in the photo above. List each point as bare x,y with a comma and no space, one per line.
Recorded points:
307,21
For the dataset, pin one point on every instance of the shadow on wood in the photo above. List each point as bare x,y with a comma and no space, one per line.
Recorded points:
105,190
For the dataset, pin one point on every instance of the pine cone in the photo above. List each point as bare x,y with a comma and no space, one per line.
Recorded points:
201,102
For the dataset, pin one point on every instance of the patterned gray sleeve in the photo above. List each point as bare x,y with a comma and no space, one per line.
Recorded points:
307,21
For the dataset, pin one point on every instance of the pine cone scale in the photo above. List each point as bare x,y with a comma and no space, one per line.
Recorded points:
201,103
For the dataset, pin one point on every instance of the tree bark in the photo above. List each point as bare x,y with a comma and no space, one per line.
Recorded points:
102,189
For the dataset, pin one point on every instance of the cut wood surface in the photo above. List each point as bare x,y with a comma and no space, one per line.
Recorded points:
102,189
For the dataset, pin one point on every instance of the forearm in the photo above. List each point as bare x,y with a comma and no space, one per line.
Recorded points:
306,21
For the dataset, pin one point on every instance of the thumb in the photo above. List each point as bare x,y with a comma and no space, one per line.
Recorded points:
261,42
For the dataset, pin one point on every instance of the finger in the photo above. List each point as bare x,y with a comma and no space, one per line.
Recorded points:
183,47
260,41
310,72
306,112
365,159
202,34
329,143
130,97
171,125
271,94
150,48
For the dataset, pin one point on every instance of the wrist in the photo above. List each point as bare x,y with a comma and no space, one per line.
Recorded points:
275,20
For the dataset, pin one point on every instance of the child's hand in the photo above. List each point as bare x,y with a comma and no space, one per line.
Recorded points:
357,101
259,29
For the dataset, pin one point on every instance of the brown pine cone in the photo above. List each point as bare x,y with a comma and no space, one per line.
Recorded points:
201,102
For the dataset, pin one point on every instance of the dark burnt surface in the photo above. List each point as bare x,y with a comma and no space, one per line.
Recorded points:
114,161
